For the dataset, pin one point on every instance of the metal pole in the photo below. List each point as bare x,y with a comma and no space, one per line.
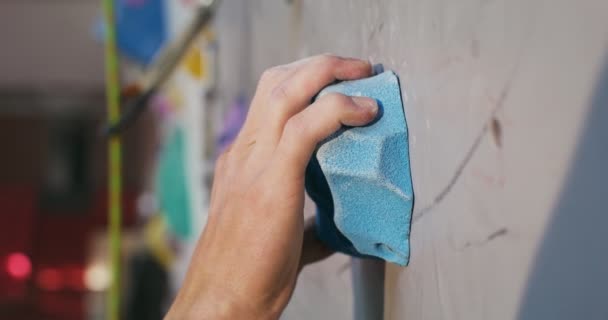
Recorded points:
114,160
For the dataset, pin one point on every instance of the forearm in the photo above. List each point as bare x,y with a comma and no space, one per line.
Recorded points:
216,305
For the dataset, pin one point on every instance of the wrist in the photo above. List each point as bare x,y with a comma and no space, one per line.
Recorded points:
216,307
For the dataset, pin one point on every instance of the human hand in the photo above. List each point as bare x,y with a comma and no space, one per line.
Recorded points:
249,255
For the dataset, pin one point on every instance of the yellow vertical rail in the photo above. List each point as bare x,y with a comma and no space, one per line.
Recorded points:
114,160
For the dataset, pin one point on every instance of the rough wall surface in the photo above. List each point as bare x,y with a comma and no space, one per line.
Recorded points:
497,95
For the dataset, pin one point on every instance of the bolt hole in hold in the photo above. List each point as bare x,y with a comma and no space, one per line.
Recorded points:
388,252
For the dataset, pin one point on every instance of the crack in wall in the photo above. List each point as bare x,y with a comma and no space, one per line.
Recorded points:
470,153
417,215
498,233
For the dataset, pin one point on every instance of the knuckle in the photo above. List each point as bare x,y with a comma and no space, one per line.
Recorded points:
279,94
271,74
266,76
337,100
327,60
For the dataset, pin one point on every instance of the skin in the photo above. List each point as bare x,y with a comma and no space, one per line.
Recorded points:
256,241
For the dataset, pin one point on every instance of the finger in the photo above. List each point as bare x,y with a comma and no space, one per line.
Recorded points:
286,90
305,130
271,78
295,93
313,250
268,80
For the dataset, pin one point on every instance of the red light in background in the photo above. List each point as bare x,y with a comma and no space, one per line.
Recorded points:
74,277
49,279
18,265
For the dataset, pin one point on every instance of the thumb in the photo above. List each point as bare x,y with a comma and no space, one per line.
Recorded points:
313,250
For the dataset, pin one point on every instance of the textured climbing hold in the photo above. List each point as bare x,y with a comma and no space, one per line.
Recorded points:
360,178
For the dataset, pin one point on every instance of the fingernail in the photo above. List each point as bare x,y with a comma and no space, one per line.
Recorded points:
377,68
366,103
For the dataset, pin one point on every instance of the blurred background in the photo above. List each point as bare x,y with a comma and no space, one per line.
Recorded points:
506,106
54,170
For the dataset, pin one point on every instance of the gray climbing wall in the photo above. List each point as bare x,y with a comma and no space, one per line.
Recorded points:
505,103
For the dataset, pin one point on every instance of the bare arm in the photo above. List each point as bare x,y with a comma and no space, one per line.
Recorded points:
248,257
